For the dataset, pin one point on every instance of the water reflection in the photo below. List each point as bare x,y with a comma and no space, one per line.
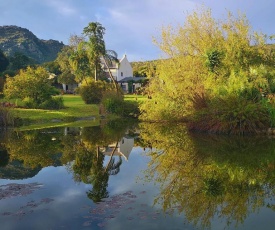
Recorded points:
210,177
24,154
90,149
82,150
203,178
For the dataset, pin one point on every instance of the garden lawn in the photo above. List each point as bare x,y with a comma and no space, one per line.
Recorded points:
75,109
133,97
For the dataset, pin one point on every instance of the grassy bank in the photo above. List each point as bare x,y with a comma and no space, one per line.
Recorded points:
75,113
75,110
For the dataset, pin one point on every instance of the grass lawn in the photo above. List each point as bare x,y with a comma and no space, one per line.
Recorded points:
133,97
76,113
75,109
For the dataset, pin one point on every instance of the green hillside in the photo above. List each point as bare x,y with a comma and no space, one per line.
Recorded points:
14,39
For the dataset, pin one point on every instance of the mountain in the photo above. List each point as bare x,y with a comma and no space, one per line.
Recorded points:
16,39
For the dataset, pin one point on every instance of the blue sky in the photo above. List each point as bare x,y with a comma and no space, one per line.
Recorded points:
130,25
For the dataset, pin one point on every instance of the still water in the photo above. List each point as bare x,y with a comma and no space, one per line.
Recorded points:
145,176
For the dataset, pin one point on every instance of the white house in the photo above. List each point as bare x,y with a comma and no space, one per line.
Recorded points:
70,88
122,73
122,69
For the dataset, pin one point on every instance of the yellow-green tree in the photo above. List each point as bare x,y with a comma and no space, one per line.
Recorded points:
205,59
33,83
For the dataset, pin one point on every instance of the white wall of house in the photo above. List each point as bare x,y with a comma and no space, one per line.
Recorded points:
124,69
70,87
114,72
124,148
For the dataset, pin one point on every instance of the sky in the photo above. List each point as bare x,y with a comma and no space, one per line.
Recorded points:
130,25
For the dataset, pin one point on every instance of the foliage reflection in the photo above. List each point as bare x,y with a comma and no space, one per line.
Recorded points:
210,176
83,150
89,151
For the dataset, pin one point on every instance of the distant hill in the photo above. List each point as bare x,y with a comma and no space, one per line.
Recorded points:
16,39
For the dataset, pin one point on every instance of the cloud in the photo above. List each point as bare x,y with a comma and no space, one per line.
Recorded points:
63,7
132,25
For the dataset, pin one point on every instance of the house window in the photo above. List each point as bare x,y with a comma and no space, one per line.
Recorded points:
121,74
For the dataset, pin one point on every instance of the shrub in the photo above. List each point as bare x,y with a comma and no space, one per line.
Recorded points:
31,83
53,103
29,103
269,103
92,91
114,104
231,114
130,109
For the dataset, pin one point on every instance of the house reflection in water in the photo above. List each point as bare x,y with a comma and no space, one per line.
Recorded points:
72,131
124,148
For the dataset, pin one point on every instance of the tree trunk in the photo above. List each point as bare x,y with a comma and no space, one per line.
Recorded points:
111,75
95,74
106,169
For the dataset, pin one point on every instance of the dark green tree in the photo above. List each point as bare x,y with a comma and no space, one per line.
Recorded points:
52,67
67,76
20,61
4,62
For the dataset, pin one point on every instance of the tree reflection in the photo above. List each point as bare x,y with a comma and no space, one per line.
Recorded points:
209,176
4,157
89,165
80,149
89,168
33,148
23,154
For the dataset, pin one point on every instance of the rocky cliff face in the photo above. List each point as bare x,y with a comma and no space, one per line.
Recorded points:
16,39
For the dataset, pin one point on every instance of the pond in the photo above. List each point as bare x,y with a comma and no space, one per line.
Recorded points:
135,176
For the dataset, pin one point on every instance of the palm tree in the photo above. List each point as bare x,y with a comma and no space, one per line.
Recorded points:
97,51
113,168
100,175
109,58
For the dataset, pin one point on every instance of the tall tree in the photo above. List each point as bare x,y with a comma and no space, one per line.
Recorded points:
95,44
96,49
66,76
80,63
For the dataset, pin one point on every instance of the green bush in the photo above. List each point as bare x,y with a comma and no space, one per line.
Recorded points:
29,103
92,91
53,103
113,103
130,109
232,114
269,103
30,83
